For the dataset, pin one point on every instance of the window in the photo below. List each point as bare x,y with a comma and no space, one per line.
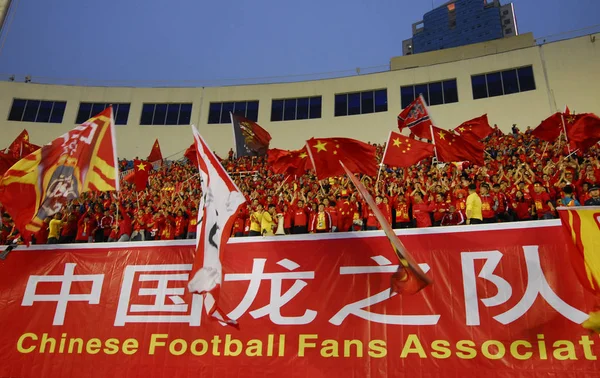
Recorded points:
165,114
361,102
503,83
435,93
291,109
506,22
37,111
218,112
89,109
507,30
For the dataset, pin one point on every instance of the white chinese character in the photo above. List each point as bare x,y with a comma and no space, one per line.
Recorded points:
277,300
357,308
65,295
178,309
536,286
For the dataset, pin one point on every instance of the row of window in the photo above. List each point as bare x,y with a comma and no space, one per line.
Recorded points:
435,93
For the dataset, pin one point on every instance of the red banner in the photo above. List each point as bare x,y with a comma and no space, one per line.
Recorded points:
505,302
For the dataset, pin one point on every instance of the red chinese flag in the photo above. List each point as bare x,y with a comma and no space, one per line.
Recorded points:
415,117
294,163
551,128
190,154
21,147
409,278
6,161
583,131
155,153
451,147
141,171
401,151
326,154
44,182
477,128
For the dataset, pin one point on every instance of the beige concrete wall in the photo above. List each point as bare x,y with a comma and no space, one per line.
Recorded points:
463,52
571,71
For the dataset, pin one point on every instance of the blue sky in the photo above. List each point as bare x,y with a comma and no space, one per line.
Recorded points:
199,40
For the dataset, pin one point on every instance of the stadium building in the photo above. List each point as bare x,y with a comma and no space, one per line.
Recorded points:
513,80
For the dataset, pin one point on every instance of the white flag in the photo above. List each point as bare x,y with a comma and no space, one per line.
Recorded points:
221,200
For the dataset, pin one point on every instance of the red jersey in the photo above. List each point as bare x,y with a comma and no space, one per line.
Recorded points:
421,214
300,216
487,206
541,203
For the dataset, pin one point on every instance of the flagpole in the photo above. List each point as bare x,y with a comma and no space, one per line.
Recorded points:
234,136
383,156
562,117
312,159
433,140
545,147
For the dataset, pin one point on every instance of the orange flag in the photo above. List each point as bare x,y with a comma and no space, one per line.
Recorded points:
409,278
582,228
155,154
44,182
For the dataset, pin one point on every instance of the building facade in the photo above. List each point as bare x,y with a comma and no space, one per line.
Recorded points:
459,23
511,79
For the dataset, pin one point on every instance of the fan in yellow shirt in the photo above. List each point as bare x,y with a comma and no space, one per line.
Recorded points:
256,221
474,215
268,222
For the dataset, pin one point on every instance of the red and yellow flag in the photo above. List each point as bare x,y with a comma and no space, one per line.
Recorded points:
155,153
582,225
44,182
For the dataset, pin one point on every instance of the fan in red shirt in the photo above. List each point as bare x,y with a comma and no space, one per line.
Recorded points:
321,222
192,224
333,212
522,207
488,205
301,217
452,217
85,228
541,200
439,209
402,208
421,211
181,224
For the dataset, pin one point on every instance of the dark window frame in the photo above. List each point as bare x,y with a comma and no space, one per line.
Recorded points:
337,112
249,111
521,87
50,117
312,110
446,98
152,120
120,111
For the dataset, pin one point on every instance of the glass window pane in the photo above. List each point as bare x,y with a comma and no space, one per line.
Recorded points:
381,104
526,79
239,108
31,110
315,107
353,103
160,114
450,91
185,114
58,111
214,112
407,95
122,115
494,83
97,109
479,86
435,94
147,114
302,108
422,89
17,110
252,111
367,102
44,112
341,105
172,114
276,110
289,109
509,81
85,108
225,112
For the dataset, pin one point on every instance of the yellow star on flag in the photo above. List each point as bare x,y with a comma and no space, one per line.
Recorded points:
302,155
320,146
442,135
141,167
397,142
461,129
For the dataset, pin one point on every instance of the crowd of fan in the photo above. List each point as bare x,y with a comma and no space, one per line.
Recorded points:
523,179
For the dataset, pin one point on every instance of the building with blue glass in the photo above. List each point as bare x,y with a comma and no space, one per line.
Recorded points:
461,22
